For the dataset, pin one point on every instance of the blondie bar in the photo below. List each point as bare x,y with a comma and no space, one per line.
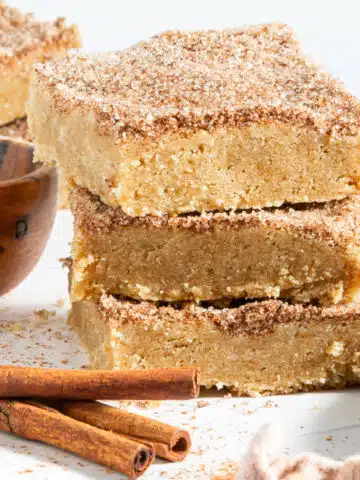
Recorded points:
264,347
24,41
199,121
306,254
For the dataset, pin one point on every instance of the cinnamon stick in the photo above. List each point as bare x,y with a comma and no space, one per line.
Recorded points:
155,384
40,422
169,442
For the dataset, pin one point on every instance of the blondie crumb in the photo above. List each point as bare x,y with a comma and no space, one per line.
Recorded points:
43,316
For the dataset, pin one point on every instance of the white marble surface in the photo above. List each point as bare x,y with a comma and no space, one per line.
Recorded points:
327,423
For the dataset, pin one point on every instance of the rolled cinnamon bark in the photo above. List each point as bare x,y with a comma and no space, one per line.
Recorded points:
169,442
35,421
174,452
155,384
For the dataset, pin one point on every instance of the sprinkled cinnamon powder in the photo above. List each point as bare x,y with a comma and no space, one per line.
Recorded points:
20,33
253,318
202,80
331,221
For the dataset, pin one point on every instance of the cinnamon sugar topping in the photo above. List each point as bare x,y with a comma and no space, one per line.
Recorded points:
250,318
202,80
334,222
20,33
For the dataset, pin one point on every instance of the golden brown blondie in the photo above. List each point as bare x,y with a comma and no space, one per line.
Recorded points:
199,121
306,254
24,41
264,347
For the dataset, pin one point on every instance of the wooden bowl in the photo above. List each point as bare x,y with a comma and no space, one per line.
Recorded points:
28,201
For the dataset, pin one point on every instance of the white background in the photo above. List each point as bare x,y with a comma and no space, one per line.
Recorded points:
327,423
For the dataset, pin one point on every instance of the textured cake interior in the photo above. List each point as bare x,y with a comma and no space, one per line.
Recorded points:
14,91
307,253
261,348
250,167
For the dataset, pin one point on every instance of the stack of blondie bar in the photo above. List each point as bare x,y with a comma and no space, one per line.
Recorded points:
214,191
